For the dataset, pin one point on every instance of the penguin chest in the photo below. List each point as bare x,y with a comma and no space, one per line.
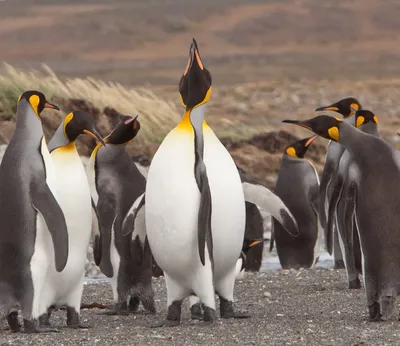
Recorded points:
173,198
73,195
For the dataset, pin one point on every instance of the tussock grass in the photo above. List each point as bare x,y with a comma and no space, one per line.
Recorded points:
156,115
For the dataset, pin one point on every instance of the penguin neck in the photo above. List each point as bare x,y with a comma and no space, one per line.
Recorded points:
197,119
60,140
370,128
352,139
28,121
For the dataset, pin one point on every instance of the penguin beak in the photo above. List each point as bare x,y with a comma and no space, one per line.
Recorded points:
331,107
298,123
255,242
95,135
51,106
132,120
310,140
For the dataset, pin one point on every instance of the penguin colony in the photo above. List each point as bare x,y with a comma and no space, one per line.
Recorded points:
197,216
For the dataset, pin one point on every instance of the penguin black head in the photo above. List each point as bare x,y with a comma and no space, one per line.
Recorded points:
346,107
37,100
299,148
249,243
127,129
195,83
78,123
364,116
322,125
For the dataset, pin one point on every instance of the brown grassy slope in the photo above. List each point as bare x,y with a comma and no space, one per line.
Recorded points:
137,42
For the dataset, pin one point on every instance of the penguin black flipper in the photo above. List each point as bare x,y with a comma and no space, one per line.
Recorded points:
271,244
204,218
332,211
268,201
128,225
96,232
323,191
45,203
313,197
107,212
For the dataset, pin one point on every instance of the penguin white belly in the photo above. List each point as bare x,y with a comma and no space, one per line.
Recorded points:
43,254
73,195
172,205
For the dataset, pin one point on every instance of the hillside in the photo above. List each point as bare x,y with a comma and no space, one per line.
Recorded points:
270,60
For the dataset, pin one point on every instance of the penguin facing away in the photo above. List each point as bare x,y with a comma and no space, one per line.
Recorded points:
377,206
116,184
73,195
346,107
196,237
33,228
341,206
297,185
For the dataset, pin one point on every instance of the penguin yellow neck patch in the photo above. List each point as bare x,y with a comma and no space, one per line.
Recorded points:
96,149
66,148
67,120
34,102
291,152
186,126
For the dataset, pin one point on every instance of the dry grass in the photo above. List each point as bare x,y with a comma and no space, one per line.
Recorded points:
156,115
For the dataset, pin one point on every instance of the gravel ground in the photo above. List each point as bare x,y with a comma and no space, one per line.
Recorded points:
306,307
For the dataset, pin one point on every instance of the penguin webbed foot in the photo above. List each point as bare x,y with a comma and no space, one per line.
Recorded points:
74,321
387,303
31,326
13,322
44,320
209,317
196,312
173,316
355,284
226,310
374,312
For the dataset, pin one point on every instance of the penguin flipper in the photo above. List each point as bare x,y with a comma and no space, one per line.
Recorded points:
128,224
332,212
268,201
204,218
96,233
272,241
107,212
323,190
46,204
138,237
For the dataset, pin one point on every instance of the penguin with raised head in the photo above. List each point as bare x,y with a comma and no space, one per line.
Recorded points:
297,185
341,206
73,195
195,208
116,184
33,228
375,186
346,108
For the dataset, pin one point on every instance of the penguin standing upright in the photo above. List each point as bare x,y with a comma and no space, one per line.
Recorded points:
73,195
345,107
195,208
31,220
376,186
297,185
116,184
341,206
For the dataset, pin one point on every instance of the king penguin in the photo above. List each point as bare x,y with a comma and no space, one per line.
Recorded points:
376,177
341,206
116,184
33,227
346,108
298,185
73,194
195,207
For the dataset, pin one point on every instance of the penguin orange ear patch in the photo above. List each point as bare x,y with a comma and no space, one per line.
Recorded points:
360,121
291,152
334,133
375,119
